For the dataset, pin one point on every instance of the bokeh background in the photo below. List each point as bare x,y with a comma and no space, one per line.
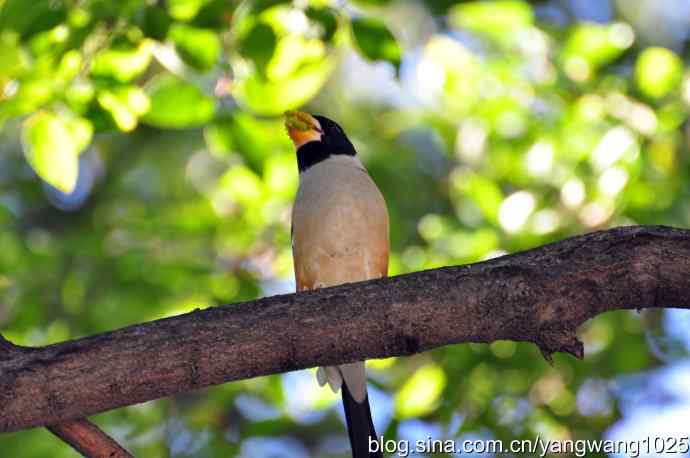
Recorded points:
145,172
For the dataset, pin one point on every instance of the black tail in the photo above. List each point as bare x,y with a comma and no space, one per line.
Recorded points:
359,426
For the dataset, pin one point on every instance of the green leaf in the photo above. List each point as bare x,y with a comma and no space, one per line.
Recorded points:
498,20
200,48
13,60
79,95
155,23
591,46
124,104
242,185
30,96
272,98
326,19
29,19
52,144
420,394
220,136
658,71
69,66
375,41
253,138
296,72
177,104
184,10
486,195
80,131
216,14
259,44
122,63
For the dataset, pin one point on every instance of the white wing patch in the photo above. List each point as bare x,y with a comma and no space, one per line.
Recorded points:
330,375
353,374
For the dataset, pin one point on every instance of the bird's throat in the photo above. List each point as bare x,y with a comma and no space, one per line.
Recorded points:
313,153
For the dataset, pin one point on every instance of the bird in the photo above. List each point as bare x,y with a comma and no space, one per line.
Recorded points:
340,234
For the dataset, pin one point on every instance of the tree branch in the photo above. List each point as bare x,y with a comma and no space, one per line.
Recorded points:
88,439
82,435
538,296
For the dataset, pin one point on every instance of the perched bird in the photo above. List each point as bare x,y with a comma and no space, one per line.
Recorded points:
339,235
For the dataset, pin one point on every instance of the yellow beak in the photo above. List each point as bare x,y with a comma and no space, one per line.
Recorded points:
302,127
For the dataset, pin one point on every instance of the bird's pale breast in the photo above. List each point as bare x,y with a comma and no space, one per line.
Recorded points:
340,226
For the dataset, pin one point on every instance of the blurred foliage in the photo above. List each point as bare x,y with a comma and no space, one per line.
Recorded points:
145,172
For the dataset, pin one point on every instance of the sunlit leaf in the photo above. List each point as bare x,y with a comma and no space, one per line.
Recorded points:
79,94
375,41
184,10
452,71
590,46
80,132
486,195
122,63
52,144
31,95
662,153
658,71
125,104
381,364
292,54
273,98
297,71
242,185
177,104
12,58
420,394
198,47
499,20
672,115
69,66
281,179
49,41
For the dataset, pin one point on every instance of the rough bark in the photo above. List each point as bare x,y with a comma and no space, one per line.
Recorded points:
538,296
87,439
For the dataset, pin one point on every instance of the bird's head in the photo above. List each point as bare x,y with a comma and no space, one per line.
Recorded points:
316,138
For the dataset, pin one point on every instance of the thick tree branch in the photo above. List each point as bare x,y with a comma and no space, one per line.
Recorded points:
88,439
539,296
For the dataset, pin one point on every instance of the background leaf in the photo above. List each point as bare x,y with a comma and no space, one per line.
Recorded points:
51,146
176,104
259,44
198,47
658,71
122,63
375,41
185,9
500,20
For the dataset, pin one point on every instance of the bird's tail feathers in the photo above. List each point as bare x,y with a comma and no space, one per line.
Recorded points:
360,426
